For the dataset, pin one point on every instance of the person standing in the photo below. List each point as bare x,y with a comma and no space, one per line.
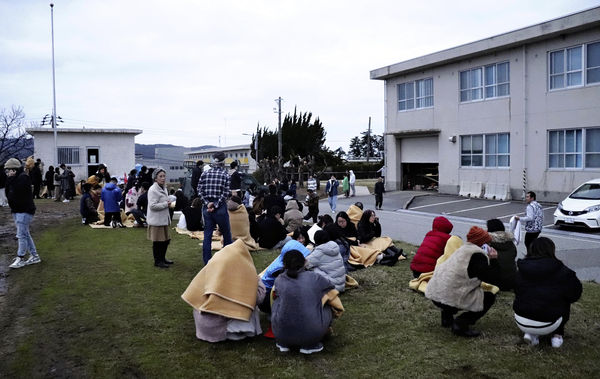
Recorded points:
346,186
379,190
36,179
3,201
312,201
534,219
196,172
49,178
332,192
352,182
57,189
311,184
236,179
158,218
213,189
20,200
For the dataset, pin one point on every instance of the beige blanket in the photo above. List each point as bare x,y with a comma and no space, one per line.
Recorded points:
240,227
355,213
227,285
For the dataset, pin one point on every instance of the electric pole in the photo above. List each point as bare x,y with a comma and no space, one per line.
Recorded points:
53,86
369,140
279,143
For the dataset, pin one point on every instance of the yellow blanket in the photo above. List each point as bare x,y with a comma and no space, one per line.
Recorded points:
334,302
240,227
351,282
363,256
355,213
227,285
420,284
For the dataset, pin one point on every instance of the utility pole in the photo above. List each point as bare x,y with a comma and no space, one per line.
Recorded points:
53,86
369,140
279,143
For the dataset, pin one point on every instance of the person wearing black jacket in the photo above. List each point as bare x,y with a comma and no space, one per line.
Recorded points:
544,290
368,226
196,173
272,232
273,199
20,200
36,179
3,201
235,179
379,190
49,178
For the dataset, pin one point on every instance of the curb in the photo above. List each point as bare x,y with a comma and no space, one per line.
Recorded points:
409,201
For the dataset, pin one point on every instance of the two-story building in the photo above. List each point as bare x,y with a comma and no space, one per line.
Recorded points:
520,108
241,153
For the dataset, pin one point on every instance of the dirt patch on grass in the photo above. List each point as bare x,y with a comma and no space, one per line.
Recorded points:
49,213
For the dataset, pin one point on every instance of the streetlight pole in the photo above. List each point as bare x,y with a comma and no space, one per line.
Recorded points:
279,143
53,87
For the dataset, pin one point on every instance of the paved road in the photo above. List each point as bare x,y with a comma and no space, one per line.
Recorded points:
407,216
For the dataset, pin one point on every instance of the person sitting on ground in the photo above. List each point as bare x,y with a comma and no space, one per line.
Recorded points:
323,221
456,283
293,216
131,197
258,205
141,209
346,228
240,222
224,295
299,318
131,180
544,290
298,242
502,241
368,226
102,175
292,190
326,260
355,212
249,195
312,202
272,233
193,215
432,246
89,213
181,201
111,195
273,198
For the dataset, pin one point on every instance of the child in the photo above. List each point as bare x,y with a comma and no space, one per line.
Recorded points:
111,196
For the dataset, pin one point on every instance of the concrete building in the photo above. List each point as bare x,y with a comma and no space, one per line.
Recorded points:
169,158
520,109
239,152
84,149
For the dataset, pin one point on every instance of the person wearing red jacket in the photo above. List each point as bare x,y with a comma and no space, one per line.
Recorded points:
432,246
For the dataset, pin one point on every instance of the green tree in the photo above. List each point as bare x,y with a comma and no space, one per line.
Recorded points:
360,146
355,147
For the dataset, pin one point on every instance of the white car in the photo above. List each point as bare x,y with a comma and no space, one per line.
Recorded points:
581,207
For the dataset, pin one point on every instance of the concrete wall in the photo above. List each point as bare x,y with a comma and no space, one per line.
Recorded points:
527,114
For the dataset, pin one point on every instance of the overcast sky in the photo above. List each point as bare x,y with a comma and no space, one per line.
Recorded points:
194,72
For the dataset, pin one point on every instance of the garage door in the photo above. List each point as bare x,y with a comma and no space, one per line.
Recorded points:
419,150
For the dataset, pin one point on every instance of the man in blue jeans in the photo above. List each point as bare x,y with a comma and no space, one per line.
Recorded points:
331,189
213,189
20,200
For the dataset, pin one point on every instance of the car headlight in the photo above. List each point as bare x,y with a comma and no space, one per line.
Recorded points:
593,208
560,205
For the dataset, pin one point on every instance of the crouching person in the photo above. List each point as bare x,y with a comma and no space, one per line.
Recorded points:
456,283
89,214
224,295
299,317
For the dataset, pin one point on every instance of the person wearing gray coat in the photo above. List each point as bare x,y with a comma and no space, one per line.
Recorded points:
327,261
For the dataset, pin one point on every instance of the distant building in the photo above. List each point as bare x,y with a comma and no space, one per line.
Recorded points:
521,108
84,149
169,158
239,152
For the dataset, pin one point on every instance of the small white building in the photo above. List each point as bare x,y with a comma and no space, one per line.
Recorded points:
84,149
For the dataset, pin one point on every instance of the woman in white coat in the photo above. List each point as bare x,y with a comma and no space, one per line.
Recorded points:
158,218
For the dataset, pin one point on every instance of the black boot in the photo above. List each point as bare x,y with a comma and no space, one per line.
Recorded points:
447,319
388,260
156,251
462,329
164,252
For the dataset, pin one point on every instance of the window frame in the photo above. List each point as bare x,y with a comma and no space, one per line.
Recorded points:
485,154
71,150
483,85
583,153
583,70
407,103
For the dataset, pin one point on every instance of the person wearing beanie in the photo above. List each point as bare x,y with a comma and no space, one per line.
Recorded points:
432,246
502,241
20,200
213,189
456,283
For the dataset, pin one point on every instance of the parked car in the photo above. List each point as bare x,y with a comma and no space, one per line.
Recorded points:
581,207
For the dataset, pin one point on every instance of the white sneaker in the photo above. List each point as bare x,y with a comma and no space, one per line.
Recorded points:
18,263
33,260
557,341
311,350
66,200
531,339
283,349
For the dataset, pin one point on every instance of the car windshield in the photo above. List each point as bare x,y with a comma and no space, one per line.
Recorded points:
588,191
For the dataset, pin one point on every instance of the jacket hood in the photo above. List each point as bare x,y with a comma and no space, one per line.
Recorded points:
539,267
292,204
232,205
501,237
442,224
330,248
110,186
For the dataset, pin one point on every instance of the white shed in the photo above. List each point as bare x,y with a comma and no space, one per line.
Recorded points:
84,149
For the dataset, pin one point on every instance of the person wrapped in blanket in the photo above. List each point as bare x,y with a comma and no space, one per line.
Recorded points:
369,230
87,209
299,318
224,295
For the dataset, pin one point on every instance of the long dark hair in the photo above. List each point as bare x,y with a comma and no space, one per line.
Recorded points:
324,220
293,262
366,216
542,247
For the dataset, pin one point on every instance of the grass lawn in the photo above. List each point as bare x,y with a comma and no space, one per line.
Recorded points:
96,307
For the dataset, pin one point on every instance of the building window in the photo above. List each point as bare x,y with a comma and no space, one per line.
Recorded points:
567,67
68,155
495,148
574,148
415,95
485,82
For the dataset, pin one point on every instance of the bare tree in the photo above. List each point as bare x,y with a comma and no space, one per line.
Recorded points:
13,137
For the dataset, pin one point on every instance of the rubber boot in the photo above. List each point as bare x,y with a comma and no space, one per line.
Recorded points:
164,252
156,251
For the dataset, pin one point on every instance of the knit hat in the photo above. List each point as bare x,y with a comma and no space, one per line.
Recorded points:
157,171
495,225
218,157
12,163
478,236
